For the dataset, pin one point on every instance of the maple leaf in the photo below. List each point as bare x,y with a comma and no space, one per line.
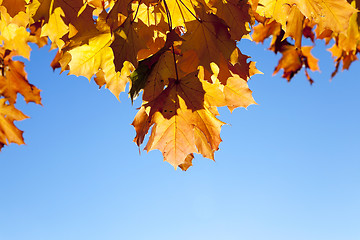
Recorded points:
294,25
9,133
181,53
35,35
139,78
347,44
328,14
157,79
182,123
265,30
56,28
14,6
88,59
13,34
149,15
181,11
13,80
237,93
117,14
42,9
294,59
141,123
209,38
127,44
187,163
233,12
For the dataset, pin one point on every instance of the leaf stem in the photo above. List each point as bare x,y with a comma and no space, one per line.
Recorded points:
137,10
190,11
176,72
168,15
172,45
51,7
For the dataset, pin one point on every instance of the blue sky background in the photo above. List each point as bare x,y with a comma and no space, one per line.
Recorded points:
288,168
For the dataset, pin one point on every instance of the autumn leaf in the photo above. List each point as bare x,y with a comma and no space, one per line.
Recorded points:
328,14
209,38
14,6
233,12
9,133
182,55
181,11
14,35
13,80
150,15
237,93
187,163
127,44
264,30
347,45
55,28
139,78
87,59
181,123
293,59
294,25
158,77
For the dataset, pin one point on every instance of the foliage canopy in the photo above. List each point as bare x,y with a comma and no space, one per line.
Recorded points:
181,54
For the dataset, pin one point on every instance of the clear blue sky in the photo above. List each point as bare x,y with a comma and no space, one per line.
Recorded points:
288,168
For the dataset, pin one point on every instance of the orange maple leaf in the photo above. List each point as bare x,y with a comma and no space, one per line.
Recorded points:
9,133
13,80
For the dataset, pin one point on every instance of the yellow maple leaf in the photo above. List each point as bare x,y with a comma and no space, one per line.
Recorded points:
328,14
237,93
347,44
181,11
13,32
275,9
55,29
149,15
183,123
88,59
294,25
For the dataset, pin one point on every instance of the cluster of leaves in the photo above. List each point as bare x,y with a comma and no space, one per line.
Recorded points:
181,54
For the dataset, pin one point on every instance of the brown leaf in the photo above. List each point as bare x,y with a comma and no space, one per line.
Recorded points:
14,6
127,44
209,38
236,15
